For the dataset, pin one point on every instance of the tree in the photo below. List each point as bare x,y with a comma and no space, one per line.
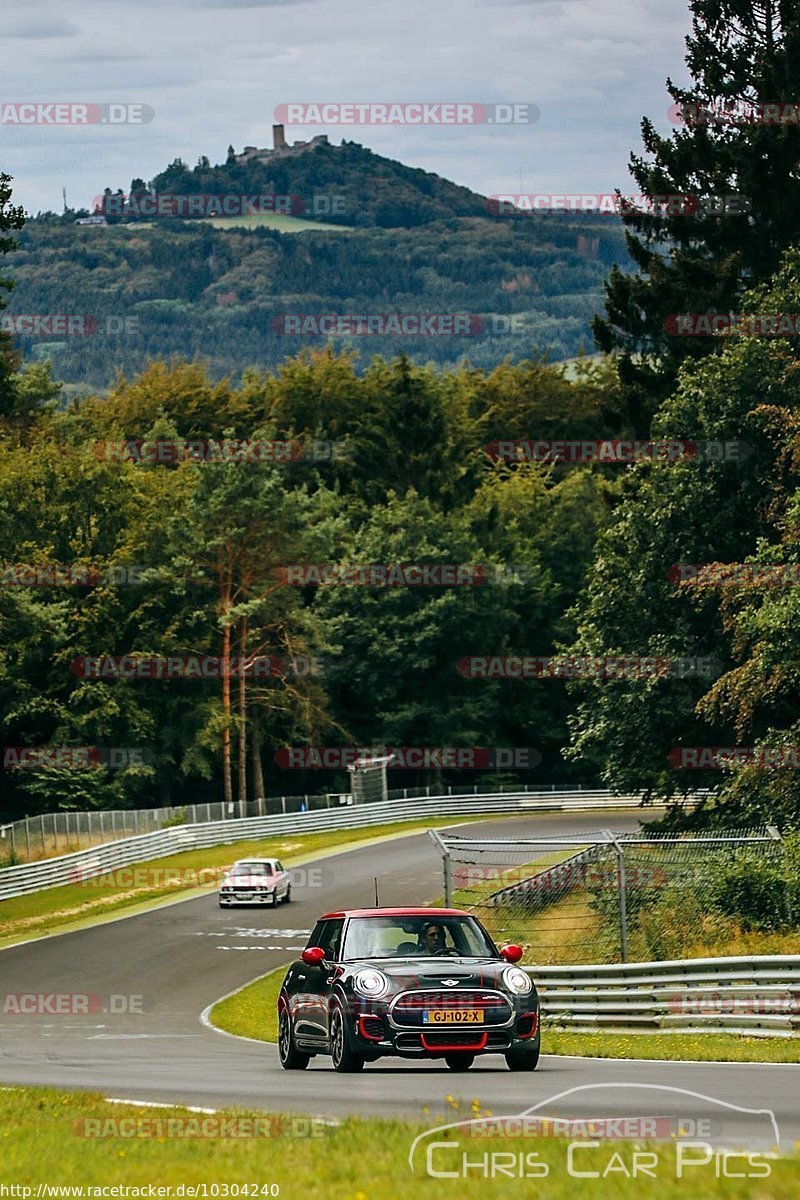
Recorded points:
241,523
11,217
695,512
696,259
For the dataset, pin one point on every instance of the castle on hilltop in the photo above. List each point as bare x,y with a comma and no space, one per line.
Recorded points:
281,148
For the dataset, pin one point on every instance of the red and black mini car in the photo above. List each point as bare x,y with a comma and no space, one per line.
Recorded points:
414,982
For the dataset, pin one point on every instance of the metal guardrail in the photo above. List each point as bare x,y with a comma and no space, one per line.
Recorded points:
71,868
549,885
759,996
49,834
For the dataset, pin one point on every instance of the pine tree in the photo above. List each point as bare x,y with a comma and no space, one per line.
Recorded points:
10,218
742,55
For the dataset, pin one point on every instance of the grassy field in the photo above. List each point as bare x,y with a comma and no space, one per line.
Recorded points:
279,221
63,1138
85,902
251,1013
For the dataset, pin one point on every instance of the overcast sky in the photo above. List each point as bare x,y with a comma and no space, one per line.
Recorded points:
214,71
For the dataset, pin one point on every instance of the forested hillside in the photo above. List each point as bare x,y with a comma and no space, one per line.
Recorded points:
157,287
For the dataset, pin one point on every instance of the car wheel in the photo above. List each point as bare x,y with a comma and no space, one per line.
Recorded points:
343,1056
291,1058
459,1062
524,1058
288,895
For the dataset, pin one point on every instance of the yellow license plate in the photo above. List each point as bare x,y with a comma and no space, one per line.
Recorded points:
456,1016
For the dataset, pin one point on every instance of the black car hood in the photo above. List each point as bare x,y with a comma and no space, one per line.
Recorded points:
431,971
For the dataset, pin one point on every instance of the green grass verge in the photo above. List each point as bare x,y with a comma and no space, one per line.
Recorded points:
355,1160
285,224
77,904
251,1013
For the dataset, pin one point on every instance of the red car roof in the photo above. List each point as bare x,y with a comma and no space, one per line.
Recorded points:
396,912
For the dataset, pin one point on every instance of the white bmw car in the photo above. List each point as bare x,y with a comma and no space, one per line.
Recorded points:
255,881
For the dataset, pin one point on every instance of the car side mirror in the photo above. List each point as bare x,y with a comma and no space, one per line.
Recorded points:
314,956
511,953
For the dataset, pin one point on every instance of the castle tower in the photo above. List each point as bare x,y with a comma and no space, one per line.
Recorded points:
278,137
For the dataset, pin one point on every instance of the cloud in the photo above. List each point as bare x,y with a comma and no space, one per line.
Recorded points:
31,25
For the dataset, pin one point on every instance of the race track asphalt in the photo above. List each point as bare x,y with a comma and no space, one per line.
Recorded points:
170,964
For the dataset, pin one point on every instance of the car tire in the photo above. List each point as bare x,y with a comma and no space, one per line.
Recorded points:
343,1056
291,1058
524,1058
288,895
459,1062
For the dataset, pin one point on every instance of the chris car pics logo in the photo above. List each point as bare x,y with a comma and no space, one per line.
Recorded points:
690,1136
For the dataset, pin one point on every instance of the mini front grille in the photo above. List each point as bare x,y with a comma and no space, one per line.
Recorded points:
409,1008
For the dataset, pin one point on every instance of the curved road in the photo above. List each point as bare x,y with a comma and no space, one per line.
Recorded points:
181,958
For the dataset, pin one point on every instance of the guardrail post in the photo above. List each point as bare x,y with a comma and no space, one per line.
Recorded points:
623,899
448,879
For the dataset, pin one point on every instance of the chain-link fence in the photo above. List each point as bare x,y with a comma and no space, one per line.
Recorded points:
606,897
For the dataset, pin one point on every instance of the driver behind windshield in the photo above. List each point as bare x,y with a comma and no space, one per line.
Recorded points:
433,939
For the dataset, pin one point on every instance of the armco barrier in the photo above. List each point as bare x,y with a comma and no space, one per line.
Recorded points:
759,996
51,872
548,885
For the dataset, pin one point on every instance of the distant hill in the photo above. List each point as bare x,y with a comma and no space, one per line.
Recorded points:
418,244
346,184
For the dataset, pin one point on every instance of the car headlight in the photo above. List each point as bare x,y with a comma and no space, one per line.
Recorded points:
371,983
517,981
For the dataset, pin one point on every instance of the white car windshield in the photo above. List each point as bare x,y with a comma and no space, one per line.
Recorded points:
253,869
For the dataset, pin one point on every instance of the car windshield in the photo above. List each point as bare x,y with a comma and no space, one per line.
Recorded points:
252,869
415,937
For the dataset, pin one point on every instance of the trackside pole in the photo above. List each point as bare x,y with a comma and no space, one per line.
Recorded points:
448,879
623,900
